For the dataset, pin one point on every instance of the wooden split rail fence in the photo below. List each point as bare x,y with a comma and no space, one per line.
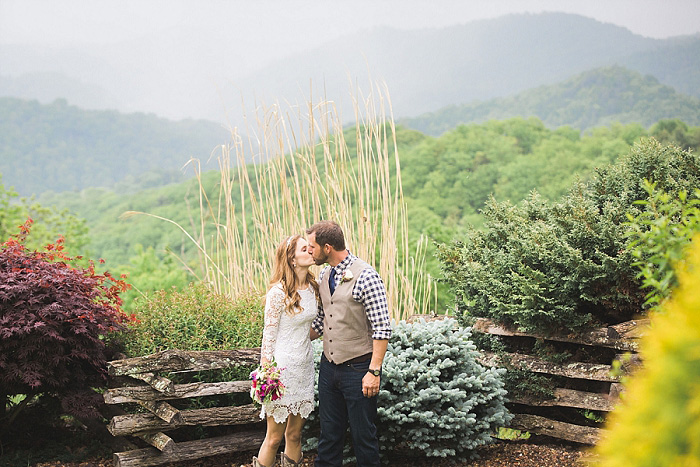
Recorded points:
601,386
141,381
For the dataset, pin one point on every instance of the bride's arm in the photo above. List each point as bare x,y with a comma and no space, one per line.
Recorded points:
274,307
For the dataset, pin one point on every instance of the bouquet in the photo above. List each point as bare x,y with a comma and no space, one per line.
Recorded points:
266,385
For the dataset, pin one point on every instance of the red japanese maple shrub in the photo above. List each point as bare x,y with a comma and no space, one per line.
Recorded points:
54,317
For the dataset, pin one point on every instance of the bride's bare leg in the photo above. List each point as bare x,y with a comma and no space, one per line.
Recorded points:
273,437
292,437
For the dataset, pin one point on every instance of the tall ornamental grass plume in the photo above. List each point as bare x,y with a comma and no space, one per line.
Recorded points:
658,421
435,399
55,319
307,165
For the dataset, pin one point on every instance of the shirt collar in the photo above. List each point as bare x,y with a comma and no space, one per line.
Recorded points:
344,264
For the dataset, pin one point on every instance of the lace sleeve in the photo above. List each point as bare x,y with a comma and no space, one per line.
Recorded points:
274,307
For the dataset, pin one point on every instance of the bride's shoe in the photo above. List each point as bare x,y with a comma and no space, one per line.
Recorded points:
256,463
288,462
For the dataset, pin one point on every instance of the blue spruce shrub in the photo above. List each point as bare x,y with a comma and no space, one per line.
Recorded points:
436,400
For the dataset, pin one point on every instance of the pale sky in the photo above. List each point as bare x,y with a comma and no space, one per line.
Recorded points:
171,56
297,22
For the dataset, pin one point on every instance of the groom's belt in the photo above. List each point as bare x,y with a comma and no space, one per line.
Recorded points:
362,358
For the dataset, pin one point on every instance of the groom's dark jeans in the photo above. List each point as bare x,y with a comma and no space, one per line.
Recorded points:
341,402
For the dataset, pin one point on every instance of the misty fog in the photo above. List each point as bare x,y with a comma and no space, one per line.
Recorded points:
206,60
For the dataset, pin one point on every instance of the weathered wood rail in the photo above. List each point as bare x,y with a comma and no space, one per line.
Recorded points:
621,338
142,382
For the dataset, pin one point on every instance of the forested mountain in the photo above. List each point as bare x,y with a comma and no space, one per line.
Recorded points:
446,180
675,62
424,69
60,147
593,98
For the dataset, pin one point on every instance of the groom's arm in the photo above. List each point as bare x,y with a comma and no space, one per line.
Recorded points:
316,330
379,347
313,334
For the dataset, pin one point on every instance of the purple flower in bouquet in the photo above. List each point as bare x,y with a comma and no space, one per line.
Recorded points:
265,383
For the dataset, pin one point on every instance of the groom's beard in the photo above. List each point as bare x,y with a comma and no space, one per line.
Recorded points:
321,260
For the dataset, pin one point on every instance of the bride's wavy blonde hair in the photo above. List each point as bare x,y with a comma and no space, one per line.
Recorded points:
283,273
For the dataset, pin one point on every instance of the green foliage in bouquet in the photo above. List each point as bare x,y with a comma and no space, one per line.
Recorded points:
436,400
658,421
551,266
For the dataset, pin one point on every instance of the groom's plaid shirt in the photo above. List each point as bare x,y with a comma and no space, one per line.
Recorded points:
370,291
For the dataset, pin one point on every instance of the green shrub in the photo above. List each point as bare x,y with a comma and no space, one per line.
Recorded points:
658,421
436,400
551,266
536,266
194,319
197,319
659,237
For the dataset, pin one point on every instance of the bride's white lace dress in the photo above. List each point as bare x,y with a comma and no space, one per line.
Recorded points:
286,341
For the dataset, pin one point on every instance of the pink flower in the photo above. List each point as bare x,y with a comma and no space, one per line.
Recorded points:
266,385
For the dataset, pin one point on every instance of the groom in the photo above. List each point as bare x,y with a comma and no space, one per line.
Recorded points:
353,317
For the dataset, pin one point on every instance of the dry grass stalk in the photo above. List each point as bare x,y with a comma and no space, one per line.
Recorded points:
300,177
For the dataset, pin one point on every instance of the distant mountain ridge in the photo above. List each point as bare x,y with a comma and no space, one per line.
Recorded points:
59,147
594,98
46,87
427,69
424,70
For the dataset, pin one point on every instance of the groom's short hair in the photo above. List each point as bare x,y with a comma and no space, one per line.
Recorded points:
328,233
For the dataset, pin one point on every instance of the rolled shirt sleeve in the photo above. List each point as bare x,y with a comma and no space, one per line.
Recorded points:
370,291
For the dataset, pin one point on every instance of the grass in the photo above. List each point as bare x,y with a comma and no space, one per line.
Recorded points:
511,434
307,167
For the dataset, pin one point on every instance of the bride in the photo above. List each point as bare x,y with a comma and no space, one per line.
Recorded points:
291,305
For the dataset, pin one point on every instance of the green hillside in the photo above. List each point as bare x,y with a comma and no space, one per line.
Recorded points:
674,62
594,98
446,181
60,147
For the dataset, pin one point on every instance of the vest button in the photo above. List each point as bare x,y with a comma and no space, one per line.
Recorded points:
330,328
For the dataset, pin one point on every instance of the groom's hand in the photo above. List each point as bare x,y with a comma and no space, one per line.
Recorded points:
370,385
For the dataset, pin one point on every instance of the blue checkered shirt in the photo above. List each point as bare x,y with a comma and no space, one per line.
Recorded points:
370,291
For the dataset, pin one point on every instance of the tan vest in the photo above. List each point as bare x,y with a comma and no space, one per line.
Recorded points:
347,332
